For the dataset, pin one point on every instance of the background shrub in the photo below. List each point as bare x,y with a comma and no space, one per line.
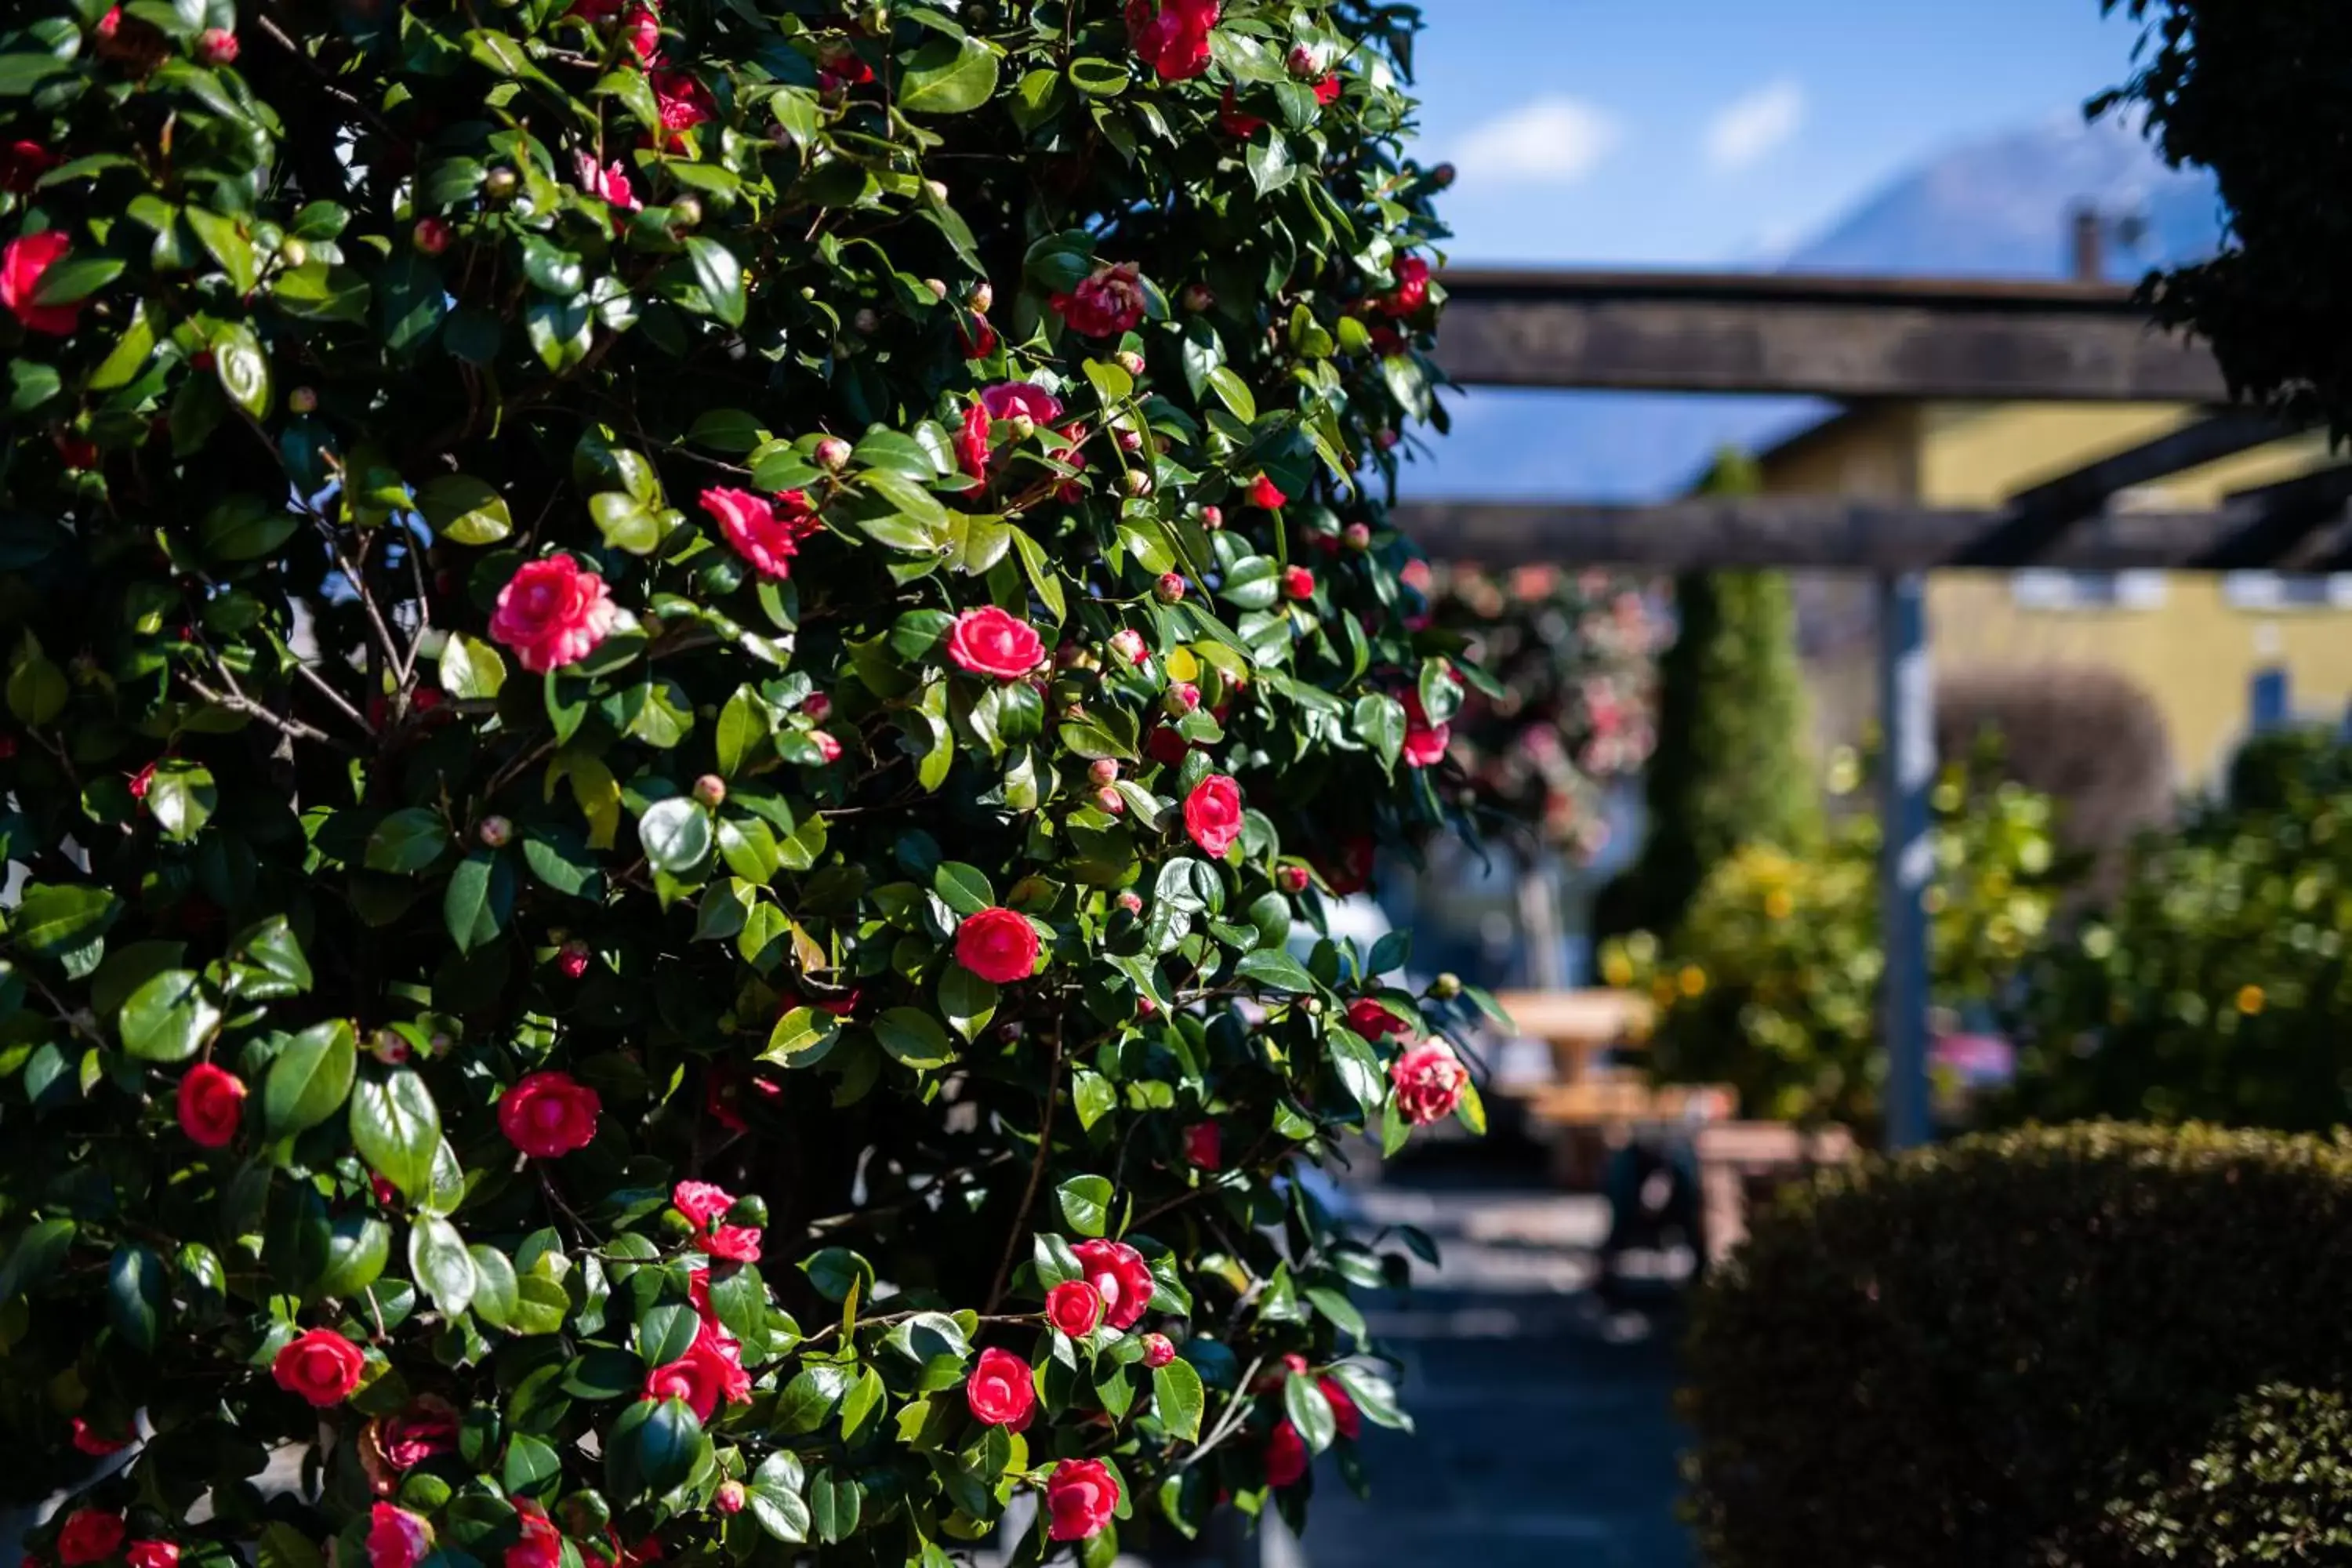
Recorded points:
2273,1484
603,595
1990,1354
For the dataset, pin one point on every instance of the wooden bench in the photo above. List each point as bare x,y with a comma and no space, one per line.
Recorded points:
1741,1163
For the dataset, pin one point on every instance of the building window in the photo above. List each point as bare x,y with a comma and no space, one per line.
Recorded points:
2277,590
2270,705
2044,589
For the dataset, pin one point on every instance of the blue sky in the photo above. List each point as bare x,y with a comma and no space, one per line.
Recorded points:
1704,132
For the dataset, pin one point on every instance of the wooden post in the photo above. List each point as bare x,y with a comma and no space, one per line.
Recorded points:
1907,857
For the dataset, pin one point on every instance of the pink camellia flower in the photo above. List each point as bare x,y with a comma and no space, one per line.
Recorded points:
767,533
1000,404
89,1440
1001,1391
734,1244
1204,1145
1286,1455
700,1202
1372,1021
548,1115
1171,36
1425,742
1158,1351
709,1374
1075,1307
212,1102
1081,1496
1297,583
321,1366
552,613
24,262
1412,291
1213,814
683,102
1344,1413
22,164
542,1545
609,183
1429,1079
999,945
89,1535
990,641
391,1445
1105,305
641,31
397,1538
1120,1276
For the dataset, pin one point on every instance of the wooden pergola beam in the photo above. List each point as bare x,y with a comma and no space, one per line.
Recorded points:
1825,533
1846,338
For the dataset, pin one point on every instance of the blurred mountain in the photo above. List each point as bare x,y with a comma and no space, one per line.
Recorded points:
2002,207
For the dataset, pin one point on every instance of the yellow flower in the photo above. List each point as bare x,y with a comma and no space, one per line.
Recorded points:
1779,904
1617,969
1692,980
2250,1000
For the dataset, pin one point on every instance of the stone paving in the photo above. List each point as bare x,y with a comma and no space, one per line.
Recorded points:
1547,1433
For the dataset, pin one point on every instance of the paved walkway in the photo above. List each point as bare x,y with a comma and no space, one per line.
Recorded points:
1547,1434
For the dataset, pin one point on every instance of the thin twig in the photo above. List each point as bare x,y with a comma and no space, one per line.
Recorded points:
293,728
1236,1412
1036,1175
333,696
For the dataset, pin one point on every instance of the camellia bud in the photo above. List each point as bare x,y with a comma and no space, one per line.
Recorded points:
819,706
1130,361
1291,879
1137,483
1302,63
1111,800
938,286
1311,1005
495,832
1298,582
752,1211
500,183
866,322
1103,771
1212,517
981,297
1023,427
1129,440
572,958
937,189
302,400
833,454
1181,698
730,1497
1170,589
1199,298
1128,643
1441,176
294,252
216,46
1447,986
1132,902
1358,536
389,1046
1158,1351
685,212
431,235
710,790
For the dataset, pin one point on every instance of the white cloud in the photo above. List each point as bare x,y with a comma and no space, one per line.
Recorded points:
1751,127
1553,140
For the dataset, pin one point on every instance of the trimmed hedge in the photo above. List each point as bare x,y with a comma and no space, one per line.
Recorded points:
1980,1355
2275,1486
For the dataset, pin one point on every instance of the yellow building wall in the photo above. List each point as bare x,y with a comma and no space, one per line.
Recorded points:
2194,653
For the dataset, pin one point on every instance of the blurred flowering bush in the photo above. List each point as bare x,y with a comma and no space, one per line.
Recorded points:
1770,984
668,702
1564,698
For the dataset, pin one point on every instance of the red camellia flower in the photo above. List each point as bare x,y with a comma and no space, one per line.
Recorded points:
211,1101
1429,1079
700,1202
767,533
542,1545
391,1445
397,1538
1120,1276
22,164
734,1244
24,262
1235,123
1204,1145
1425,742
1003,402
1286,1455
1107,304
709,1374
321,1366
1372,1021
998,945
1158,1351
978,340
1081,1495
1344,1413
1265,495
990,641
827,747
641,31
1351,872
89,1535
552,613
1001,1391
152,1554
1171,36
548,1115
1213,814
683,102
1412,292
1075,1307
89,1441
1298,582
1328,90
608,184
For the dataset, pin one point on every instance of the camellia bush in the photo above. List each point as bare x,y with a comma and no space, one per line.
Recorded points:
669,701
